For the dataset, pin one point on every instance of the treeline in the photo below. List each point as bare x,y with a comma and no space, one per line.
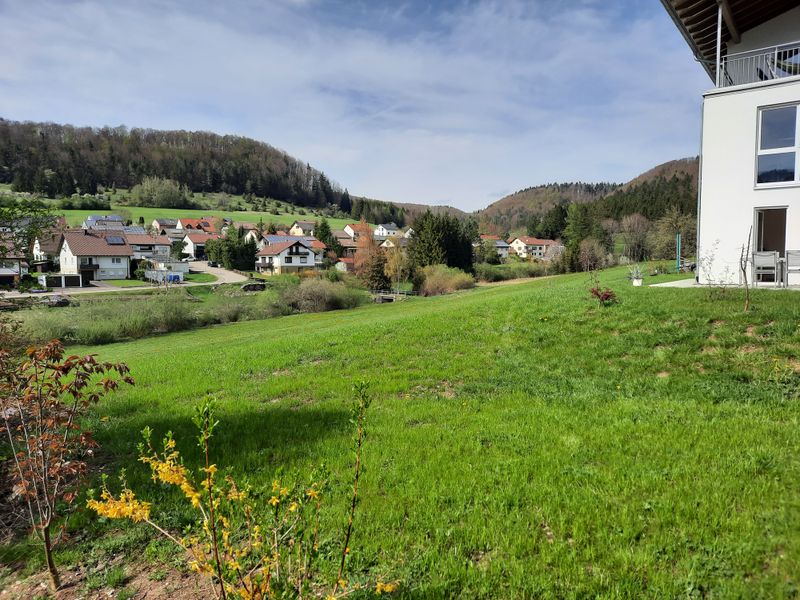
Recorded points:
60,160
651,199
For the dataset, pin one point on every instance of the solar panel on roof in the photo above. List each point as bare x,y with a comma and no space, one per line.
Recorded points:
115,240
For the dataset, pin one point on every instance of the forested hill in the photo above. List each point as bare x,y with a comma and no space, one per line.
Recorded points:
514,211
60,160
673,183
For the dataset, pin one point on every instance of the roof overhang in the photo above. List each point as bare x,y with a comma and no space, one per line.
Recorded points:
697,21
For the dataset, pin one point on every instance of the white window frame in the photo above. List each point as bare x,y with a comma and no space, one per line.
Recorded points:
796,148
116,260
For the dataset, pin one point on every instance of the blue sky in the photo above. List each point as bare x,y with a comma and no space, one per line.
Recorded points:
434,102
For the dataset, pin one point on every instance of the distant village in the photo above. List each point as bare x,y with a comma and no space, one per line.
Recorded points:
105,247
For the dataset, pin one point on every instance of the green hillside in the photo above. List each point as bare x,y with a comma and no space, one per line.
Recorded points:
523,441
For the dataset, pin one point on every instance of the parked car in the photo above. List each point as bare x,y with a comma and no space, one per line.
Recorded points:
211,263
187,259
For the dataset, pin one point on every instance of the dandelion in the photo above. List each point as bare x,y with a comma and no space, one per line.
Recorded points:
274,501
313,493
387,588
293,506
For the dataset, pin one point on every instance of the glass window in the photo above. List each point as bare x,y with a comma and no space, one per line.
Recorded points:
778,128
778,146
288,259
773,168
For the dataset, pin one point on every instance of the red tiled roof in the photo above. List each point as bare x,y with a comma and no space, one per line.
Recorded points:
532,241
348,260
143,239
204,224
276,249
202,237
94,243
317,245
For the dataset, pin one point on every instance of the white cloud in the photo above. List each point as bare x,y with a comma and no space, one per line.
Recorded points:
493,96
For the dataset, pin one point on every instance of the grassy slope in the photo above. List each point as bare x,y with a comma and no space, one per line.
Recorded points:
521,438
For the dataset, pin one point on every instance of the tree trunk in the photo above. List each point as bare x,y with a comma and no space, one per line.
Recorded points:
55,581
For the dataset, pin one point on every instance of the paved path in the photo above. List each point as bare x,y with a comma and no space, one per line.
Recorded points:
199,266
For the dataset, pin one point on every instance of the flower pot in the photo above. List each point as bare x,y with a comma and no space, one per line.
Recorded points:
637,282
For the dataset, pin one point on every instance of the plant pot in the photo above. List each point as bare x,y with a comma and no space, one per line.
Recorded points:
637,282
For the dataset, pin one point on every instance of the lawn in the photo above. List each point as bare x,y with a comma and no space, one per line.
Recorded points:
523,442
200,278
125,283
76,217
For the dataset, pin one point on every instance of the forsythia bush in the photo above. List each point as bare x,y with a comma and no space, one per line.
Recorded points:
248,548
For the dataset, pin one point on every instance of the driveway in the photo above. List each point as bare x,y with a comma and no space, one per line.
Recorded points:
198,266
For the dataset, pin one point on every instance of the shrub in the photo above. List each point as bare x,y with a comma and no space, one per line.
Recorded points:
440,279
248,546
318,295
515,270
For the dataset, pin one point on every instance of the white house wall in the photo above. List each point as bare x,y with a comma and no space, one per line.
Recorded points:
729,195
780,30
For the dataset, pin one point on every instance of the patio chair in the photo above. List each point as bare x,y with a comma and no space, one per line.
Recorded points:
765,263
792,263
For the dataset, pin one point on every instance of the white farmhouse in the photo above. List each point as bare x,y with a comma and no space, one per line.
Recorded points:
386,230
302,228
287,257
750,150
195,243
530,247
95,255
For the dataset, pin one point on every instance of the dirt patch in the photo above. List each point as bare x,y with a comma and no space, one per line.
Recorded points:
750,331
710,350
749,349
662,374
144,582
281,372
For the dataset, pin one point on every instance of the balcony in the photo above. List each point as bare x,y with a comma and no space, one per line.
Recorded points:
764,64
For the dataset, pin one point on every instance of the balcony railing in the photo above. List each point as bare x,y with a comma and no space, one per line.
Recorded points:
765,64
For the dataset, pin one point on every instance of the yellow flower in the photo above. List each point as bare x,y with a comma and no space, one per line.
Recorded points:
274,501
293,506
284,491
312,493
385,587
276,485
124,507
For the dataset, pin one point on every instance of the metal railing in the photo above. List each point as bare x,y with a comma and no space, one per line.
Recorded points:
764,64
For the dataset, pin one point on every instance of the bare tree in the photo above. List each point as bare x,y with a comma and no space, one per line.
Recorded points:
634,229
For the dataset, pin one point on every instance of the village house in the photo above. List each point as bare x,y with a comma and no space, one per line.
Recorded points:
101,222
302,228
354,230
145,246
750,149
288,257
12,265
206,224
46,248
395,241
386,230
195,243
501,246
95,255
408,232
530,247
161,225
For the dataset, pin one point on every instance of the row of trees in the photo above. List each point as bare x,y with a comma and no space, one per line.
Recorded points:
166,166
60,160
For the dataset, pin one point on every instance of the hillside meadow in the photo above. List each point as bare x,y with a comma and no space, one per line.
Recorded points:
523,441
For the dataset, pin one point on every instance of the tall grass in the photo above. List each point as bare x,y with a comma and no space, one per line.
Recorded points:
511,270
440,279
107,320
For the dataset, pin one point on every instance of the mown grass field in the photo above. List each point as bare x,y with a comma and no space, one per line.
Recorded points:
76,217
523,441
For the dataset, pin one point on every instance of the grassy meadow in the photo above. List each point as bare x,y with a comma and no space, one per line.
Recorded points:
523,442
76,217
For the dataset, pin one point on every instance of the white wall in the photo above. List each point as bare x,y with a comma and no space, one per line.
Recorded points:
780,30
729,195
